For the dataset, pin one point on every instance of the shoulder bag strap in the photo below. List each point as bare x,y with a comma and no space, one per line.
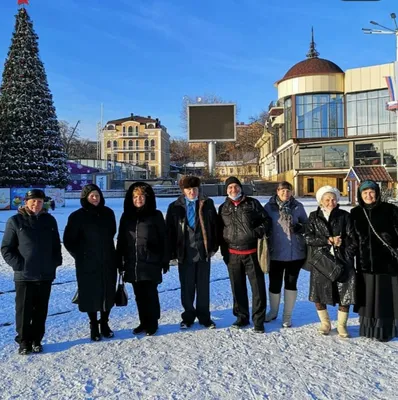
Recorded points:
377,235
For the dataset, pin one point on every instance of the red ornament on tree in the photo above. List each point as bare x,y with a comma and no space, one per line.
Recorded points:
20,2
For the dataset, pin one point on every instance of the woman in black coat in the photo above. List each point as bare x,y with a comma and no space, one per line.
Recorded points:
331,250
89,239
143,252
376,225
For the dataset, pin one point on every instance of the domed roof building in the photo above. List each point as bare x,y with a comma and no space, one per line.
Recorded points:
325,121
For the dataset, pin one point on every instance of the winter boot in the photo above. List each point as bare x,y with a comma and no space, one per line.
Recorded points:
290,301
325,327
342,318
94,331
105,330
274,300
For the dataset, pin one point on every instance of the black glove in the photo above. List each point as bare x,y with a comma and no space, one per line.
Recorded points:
259,232
166,268
297,228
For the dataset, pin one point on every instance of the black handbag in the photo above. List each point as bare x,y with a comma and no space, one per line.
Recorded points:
75,299
121,296
331,267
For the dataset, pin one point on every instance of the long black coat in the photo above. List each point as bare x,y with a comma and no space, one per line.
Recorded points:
318,231
142,242
176,221
31,246
89,239
374,257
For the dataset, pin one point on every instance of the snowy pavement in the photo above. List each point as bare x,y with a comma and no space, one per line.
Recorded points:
224,363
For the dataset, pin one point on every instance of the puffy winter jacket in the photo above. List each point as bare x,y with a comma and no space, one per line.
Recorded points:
242,225
31,246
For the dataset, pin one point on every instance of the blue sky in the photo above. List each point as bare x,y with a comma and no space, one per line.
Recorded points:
143,56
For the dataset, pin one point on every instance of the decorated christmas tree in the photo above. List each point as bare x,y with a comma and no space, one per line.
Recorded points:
31,152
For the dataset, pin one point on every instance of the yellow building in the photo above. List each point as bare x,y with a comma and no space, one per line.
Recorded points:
245,171
325,121
141,141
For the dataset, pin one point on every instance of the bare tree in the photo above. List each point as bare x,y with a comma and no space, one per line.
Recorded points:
69,135
179,151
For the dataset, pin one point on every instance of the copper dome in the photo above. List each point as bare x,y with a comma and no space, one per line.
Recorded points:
312,66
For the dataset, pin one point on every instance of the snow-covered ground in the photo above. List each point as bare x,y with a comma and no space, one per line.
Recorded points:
295,363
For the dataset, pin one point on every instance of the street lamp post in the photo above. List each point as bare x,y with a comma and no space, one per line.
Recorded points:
389,31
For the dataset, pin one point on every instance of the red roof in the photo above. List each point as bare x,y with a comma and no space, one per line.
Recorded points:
374,173
312,66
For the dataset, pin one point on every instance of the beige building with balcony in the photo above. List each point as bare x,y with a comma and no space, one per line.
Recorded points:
325,121
141,141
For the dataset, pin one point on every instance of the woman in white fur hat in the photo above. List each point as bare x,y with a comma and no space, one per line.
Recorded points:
331,249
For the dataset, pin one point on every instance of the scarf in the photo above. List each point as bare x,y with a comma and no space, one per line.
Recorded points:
285,208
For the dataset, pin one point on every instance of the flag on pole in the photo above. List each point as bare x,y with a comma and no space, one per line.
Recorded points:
20,2
392,90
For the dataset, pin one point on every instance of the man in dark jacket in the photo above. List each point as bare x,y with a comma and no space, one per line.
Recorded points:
31,246
242,222
191,223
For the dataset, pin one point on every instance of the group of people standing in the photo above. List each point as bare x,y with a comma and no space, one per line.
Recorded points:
352,257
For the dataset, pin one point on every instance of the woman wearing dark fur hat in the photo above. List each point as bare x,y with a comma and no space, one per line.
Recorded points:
191,224
143,252
89,237
376,225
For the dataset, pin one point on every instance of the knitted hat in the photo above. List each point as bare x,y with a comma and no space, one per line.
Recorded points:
368,185
232,179
35,194
189,181
327,189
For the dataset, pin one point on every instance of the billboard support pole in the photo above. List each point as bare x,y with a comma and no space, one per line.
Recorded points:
212,158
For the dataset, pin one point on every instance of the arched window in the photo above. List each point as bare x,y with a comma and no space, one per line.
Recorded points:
137,144
130,145
151,126
146,144
124,130
153,143
136,129
115,144
111,127
108,144
130,129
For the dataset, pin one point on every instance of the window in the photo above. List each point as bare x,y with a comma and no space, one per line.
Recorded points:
115,157
336,156
390,153
367,153
319,115
130,130
131,156
231,170
124,130
151,126
146,144
108,144
332,156
125,157
367,114
124,145
287,128
131,145
310,185
153,143
137,144
115,144
109,157
153,156
146,156
137,157
311,158
110,127
153,172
